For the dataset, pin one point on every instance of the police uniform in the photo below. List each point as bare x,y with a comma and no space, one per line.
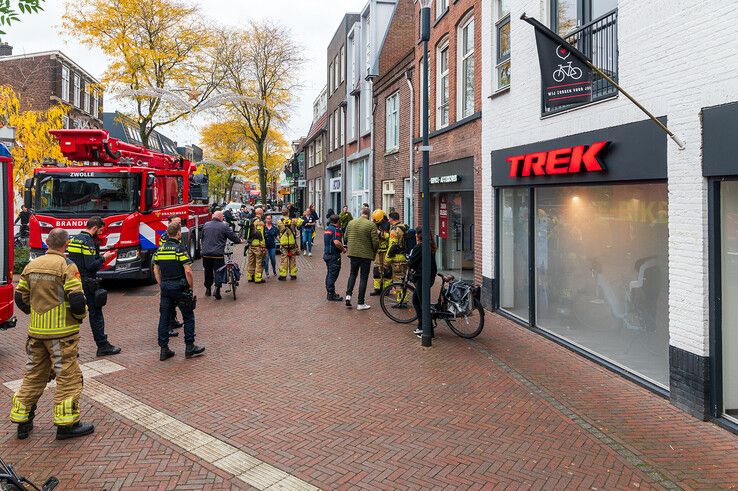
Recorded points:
332,258
85,252
396,253
171,258
50,290
256,251
289,246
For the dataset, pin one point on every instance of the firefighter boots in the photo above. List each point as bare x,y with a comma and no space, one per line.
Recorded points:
24,429
73,431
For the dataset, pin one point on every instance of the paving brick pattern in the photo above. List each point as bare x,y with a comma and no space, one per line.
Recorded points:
346,399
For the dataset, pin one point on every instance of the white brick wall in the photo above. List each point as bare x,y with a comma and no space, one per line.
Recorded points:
656,39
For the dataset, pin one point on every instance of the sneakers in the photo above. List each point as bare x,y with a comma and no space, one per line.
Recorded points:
107,350
73,431
363,306
165,354
334,298
418,331
348,300
310,254
193,350
304,253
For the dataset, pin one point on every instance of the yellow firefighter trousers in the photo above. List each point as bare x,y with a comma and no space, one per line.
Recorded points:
399,267
381,263
48,359
288,261
255,265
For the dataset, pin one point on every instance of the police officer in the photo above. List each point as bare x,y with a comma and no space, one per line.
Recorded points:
396,253
333,243
256,248
381,278
84,250
50,290
289,245
174,275
175,324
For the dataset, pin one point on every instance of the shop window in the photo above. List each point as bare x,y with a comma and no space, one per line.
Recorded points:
388,196
513,242
729,291
601,272
465,84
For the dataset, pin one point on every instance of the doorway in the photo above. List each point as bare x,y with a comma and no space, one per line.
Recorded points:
453,218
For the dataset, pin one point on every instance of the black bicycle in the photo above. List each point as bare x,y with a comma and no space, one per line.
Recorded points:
232,272
11,481
458,305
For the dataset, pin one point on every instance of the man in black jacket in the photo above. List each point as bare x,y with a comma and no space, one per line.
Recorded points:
415,265
215,234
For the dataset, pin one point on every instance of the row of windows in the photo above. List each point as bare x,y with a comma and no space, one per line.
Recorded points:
87,99
337,129
314,152
336,71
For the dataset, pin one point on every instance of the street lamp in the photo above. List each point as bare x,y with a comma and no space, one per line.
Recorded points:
425,27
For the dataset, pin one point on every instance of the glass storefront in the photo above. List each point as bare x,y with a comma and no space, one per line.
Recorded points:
729,276
454,230
359,186
601,269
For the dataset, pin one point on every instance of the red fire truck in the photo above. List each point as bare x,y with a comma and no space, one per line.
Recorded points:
134,189
7,320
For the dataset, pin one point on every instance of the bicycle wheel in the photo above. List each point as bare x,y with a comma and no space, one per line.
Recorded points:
232,281
397,302
468,326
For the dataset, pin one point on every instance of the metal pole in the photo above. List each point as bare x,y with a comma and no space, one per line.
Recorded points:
427,335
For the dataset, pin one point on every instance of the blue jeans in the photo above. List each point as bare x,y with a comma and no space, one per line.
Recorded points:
271,256
307,239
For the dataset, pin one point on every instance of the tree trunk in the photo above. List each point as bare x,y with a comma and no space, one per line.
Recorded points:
143,134
262,171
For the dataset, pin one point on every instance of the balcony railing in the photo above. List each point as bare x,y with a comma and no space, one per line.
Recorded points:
599,41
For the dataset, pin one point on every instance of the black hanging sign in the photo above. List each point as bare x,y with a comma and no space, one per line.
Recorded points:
565,77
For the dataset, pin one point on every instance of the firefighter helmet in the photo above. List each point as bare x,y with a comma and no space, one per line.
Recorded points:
378,215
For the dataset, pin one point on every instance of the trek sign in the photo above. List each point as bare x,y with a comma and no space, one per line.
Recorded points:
566,160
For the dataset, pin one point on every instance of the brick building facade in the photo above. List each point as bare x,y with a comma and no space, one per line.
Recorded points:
455,130
44,79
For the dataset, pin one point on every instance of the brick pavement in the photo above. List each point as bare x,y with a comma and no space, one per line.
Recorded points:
346,399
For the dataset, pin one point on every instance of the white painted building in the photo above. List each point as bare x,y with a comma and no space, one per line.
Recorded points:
362,48
628,264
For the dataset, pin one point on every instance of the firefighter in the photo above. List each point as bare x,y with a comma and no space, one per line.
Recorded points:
174,275
289,245
84,250
381,278
256,248
50,290
396,253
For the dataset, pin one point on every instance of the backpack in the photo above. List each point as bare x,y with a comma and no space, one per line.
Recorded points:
411,240
460,297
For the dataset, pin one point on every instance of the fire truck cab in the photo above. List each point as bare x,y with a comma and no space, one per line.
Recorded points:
7,320
134,190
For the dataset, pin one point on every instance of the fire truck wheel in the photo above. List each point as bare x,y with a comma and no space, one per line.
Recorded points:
151,279
193,246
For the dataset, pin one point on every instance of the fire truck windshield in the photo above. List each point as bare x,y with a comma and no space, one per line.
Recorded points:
89,193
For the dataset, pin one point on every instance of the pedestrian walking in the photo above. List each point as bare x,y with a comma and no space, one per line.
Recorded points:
363,244
84,251
415,265
381,276
270,241
333,248
173,273
314,214
288,244
50,290
215,235
256,248
308,231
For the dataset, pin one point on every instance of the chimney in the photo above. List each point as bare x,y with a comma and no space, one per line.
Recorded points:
5,49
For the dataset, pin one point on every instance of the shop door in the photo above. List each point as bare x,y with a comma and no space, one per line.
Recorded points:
454,225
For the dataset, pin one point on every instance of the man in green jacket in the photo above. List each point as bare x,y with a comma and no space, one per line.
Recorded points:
363,243
343,219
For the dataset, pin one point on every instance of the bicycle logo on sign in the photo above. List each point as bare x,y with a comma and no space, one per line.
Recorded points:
564,71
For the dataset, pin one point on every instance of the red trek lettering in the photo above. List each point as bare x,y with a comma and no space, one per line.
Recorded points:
558,161
535,162
589,159
514,164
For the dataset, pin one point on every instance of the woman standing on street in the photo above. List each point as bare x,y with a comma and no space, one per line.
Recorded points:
308,229
270,241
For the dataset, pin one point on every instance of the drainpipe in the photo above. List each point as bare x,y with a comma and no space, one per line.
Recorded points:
370,81
411,198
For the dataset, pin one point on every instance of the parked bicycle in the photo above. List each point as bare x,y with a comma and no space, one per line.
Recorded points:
11,481
231,271
458,304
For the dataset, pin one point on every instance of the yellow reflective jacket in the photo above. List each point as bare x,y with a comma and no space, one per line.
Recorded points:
46,284
256,233
288,231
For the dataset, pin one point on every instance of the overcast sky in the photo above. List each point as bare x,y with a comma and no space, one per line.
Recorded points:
313,23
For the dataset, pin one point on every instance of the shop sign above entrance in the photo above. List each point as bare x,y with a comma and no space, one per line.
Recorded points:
445,179
567,160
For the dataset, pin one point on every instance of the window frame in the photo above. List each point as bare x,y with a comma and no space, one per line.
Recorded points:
439,13
65,83
386,184
462,110
440,76
392,140
501,20
87,98
77,87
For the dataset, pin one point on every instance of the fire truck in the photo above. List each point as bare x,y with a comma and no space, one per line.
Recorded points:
134,190
7,320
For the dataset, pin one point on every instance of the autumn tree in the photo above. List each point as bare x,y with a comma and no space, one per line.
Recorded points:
33,143
161,50
9,12
226,150
261,64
